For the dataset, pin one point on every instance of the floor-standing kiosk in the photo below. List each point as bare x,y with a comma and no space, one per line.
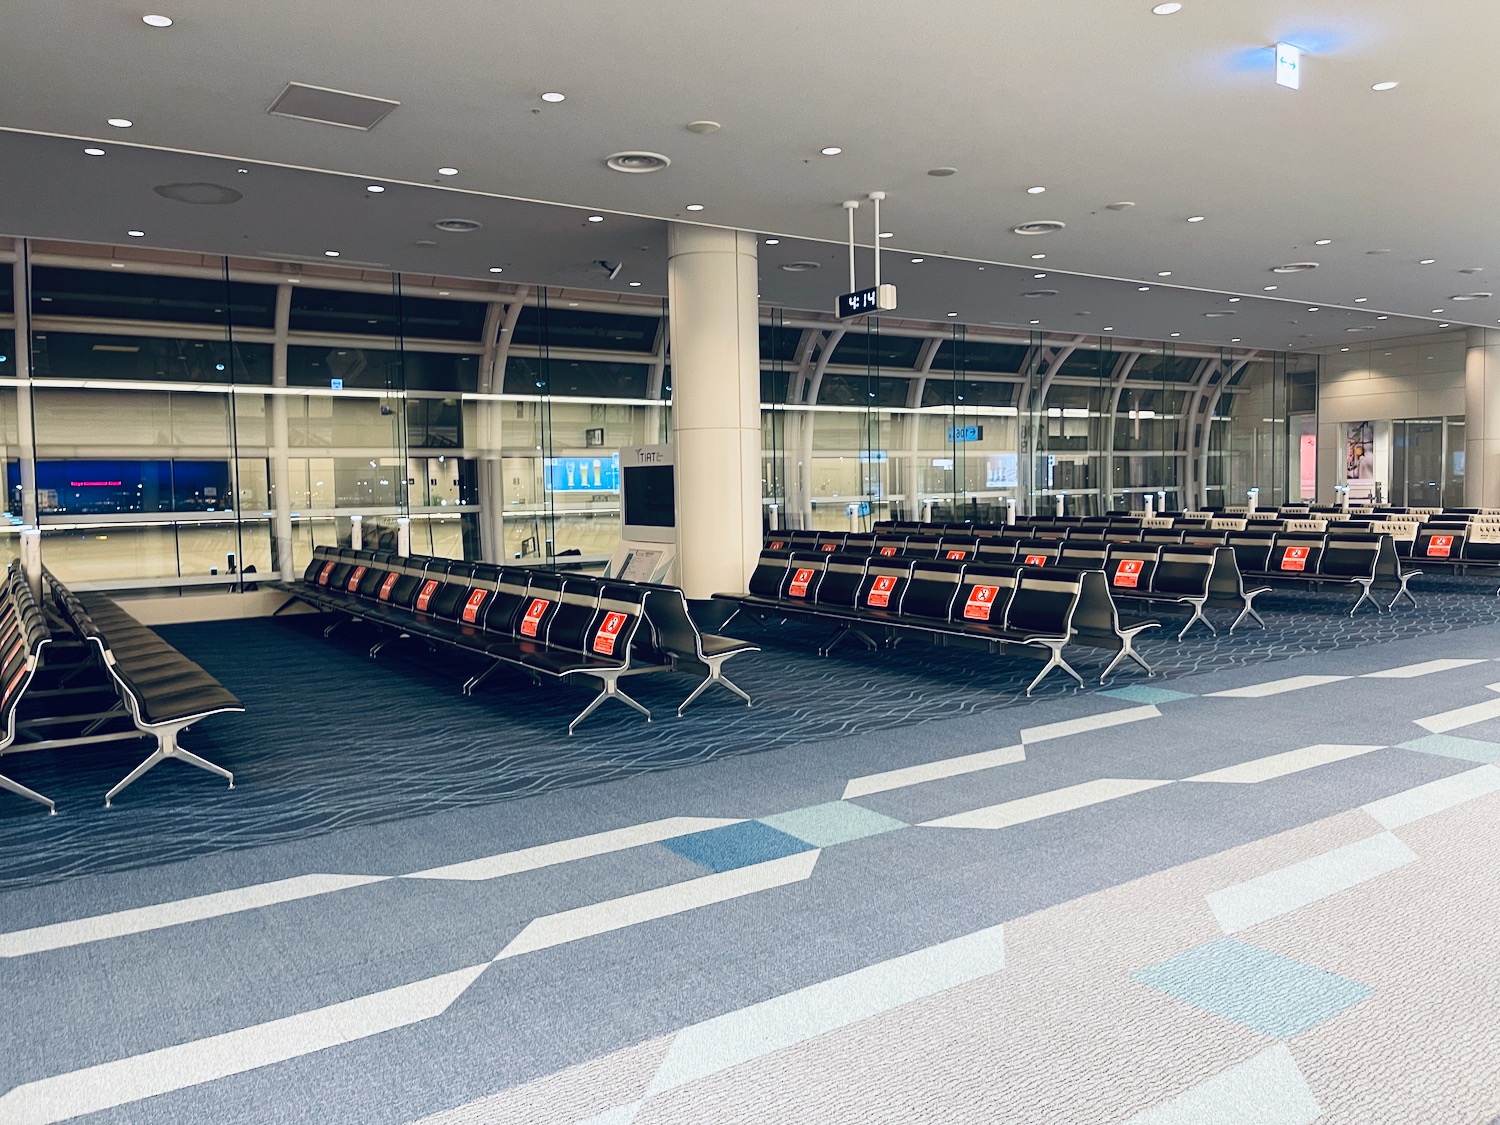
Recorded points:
648,502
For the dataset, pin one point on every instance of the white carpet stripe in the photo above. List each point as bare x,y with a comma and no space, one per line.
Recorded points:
1267,1089
129,1080
750,1033
933,771
1290,888
1279,765
647,906
1276,687
1088,723
566,851
1426,668
101,927
1445,721
1046,804
1434,797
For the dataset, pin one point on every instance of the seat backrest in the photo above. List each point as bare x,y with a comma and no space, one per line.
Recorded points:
576,615
1039,552
884,584
1095,617
1294,553
890,544
997,550
320,562
1162,535
958,548
621,611
454,595
802,541
924,546
1130,567
859,544
984,594
803,576
831,541
25,633
1183,572
542,595
1083,554
768,578
1439,542
1348,556
1252,550
432,585
1043,604
504,607
842,578
777,541
930,593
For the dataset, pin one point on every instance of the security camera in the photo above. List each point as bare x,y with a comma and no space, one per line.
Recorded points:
384,409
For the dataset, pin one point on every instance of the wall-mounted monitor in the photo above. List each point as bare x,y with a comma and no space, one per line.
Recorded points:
648,494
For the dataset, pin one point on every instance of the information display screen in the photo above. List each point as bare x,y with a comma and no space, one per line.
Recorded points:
650,496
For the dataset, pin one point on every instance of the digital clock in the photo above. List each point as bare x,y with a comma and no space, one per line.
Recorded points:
879,298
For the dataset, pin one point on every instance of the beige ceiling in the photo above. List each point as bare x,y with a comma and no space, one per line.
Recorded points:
1098,100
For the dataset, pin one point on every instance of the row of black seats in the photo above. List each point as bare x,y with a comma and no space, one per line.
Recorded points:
1369,562
23,637
542,622
995,605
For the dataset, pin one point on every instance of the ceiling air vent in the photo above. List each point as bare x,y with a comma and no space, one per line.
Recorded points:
1471,297
457,226
200,193
1295,267
637,162
1041,226
799,267
330,107
1218,313
1040,293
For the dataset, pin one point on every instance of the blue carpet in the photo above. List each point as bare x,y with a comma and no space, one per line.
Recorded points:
332,739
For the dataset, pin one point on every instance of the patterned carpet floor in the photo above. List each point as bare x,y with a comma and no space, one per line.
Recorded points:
331,739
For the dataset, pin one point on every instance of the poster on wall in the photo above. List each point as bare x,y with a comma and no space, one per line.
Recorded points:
1359,454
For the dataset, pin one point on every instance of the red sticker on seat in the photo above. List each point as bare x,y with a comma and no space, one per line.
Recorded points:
1440,546
880,593
1128,573
776,545
10,687
800,580
471,607
359,572
609,631
1294,558
1036,560
958,554
981,601
326,571
830,546
428,589
533,616
887,551
385,587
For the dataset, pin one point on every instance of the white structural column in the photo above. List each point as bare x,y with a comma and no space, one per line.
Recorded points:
1482,419
715,335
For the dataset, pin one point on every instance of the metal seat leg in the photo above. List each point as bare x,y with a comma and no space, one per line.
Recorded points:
715,676
611,690
1197,616
166,747
1365,596
1054,660
1248,611
478,678
31,794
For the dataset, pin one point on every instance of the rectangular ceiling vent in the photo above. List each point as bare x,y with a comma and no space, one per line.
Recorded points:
330,107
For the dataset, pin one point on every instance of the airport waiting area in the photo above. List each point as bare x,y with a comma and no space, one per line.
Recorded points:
592,564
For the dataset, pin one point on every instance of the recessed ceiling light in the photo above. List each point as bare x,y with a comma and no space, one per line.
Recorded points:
1382,86
572,304
496,269
1427,261
1036,322
1035,190
1039,276
1037,257
1343,349
1382,318
832,150
121,122
117,265
93,152
447,171
295,280
1232,300
1177,333
596,218
1143,289
1313,309
887,234
157,21
1166,9
1360,300
1111,328
442,292
773,242
695,206
1269,288
136,233
243,171
375,188
917,261
1437,310
1444,326
1234,339
330,253
554,96
1323,242
953,314
1164,273
634,284
941,172
1196,218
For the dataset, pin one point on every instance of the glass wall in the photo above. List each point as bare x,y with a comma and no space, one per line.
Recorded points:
209,425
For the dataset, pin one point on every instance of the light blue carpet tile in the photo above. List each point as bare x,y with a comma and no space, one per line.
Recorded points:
1452,746
1141,693
736,845
836,822
1264,991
